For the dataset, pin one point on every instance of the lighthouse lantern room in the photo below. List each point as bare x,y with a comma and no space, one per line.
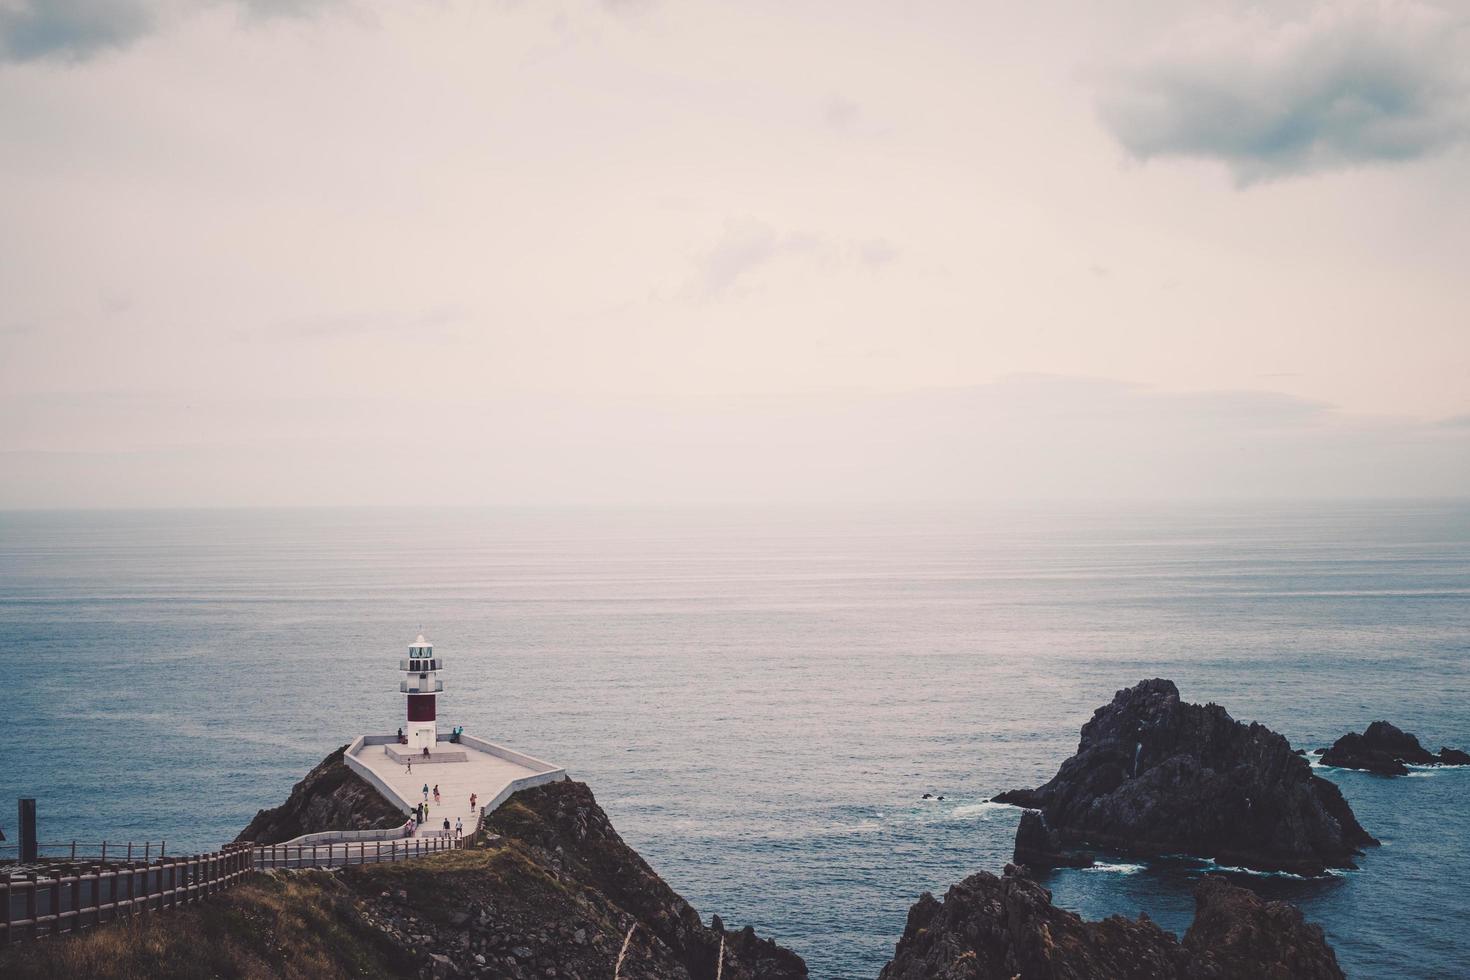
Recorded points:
422,685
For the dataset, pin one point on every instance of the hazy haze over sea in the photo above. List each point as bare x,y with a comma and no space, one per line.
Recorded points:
757,697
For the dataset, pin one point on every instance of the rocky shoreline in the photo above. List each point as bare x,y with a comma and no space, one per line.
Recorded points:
999,928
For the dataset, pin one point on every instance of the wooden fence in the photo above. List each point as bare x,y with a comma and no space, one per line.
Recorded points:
36,906
70,850
349,852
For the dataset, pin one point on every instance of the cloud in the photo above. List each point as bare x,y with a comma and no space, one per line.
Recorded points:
744,246
748,245
76,30
69,29
1350,84
875,253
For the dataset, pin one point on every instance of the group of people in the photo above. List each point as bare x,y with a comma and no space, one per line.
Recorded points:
421,812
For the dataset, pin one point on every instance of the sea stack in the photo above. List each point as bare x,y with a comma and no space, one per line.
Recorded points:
1156,775
1388,751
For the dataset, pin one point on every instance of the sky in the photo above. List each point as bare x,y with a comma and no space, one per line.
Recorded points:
322,252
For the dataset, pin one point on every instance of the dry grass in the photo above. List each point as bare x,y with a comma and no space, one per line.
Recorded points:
297,927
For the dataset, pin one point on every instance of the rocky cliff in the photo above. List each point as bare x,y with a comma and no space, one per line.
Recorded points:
1157,775
549,891
331,797
1388,751
990,928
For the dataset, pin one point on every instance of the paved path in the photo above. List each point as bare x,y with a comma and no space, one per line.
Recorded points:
481,773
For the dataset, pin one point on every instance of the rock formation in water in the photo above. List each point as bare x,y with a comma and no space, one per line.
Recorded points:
1388,751
550,891
1156,775
331,797
1039,847
990,928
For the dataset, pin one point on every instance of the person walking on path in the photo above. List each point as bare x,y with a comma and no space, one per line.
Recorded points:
458,828
446,826
426,792
410,768
436,794
472,804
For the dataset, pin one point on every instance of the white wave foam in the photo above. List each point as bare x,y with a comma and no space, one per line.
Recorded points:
981,810
1122,869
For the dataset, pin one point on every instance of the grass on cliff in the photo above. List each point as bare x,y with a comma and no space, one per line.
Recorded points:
298,926
304,925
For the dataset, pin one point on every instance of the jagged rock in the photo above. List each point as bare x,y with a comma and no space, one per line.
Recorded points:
1388,751
563,818
1156,775
331,797
1039,847
1235,933
990,928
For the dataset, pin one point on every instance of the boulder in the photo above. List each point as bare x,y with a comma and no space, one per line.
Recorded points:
1155,775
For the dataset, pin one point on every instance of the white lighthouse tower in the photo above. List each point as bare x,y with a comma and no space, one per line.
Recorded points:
422,685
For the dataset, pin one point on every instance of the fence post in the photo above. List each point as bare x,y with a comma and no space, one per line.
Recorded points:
31,903
162,846
104,851
5,890
130,850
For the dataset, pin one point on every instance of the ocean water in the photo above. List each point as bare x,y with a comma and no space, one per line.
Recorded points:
759,698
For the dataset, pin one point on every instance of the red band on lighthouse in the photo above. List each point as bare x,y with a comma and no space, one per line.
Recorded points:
421,707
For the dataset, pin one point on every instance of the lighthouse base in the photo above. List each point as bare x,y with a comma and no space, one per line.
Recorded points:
404,756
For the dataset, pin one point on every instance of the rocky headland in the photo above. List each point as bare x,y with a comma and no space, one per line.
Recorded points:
1388,751
1156,775
549,890
1002,928
331,797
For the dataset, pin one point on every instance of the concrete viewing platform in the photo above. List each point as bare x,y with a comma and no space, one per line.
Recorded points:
403,756
472,765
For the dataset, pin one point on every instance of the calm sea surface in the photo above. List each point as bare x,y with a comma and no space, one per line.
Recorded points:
758,698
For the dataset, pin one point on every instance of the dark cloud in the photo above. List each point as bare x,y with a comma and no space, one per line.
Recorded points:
75,30
70,29
1352,84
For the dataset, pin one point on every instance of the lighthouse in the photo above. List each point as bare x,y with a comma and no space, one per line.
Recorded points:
422,685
